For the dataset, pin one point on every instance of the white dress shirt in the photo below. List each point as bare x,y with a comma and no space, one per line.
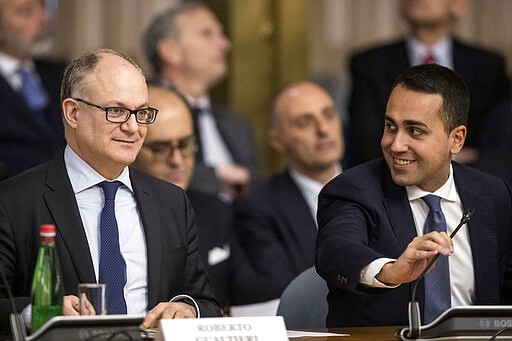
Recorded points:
90,199
214,149
441,51
310,189
8,67
461,261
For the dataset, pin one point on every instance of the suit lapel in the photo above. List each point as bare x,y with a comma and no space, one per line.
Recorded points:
298,212
399,211
482,237
61,203
151,225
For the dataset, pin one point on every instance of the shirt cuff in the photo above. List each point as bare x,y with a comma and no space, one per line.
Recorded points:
368,273
26,315
187,298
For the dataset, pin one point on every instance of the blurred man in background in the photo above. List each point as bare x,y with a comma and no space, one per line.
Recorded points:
168,153
31,131
187,49
275,226
430,40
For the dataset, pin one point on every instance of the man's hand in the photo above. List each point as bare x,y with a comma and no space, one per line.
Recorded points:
168,310
234,180
415,258
71,306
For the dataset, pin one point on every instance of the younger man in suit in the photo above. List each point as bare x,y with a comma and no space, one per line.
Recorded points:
155,268
373,240
31,131
168,153
188,50
275,226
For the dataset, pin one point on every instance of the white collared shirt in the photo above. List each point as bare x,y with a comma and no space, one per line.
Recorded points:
8,67
441,51
89,196
310,189
461,261
214,148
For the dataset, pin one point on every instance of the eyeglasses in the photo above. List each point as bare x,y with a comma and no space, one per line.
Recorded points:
121,115
163,149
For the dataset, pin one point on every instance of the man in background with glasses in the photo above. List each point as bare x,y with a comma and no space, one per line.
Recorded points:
155,249
168,153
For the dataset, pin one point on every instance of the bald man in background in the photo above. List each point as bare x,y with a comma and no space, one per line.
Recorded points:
168,153
275,226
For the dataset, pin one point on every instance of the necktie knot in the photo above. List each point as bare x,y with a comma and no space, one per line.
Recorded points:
429,58
110,188
433,202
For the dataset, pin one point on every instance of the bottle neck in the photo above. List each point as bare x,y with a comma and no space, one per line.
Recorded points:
47,240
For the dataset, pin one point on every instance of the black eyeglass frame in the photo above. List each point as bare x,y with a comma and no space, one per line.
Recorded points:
164,150
131,112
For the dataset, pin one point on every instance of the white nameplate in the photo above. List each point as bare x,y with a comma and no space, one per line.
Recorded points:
262,328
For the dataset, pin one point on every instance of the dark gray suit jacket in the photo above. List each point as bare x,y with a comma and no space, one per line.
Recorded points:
44,195
363,215
238,136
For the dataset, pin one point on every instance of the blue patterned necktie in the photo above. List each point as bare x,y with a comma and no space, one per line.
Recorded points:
31,90
112,265
437,281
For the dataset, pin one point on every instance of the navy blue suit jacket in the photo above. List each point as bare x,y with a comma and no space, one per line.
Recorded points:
276,233
25,142
374,72
363,216
44,195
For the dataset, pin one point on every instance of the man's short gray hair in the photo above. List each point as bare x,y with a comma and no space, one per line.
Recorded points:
163,26
75,79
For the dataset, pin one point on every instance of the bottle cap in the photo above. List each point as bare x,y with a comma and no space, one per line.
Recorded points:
47,230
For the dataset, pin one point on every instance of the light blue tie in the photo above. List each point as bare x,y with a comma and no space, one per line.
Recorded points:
31,90
437,281
112,265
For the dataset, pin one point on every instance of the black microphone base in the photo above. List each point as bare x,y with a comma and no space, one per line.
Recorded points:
469,322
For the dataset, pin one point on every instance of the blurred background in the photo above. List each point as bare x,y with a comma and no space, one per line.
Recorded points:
275,42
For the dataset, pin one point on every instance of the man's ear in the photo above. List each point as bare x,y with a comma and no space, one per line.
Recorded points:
457,137
170,52
69,112
275,141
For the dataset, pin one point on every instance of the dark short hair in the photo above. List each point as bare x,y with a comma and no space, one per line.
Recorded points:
437,79
75,81
163,25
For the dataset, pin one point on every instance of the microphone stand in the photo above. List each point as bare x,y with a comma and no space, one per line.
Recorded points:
414,307
17,325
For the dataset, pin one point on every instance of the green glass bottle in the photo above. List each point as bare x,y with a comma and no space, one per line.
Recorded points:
47,286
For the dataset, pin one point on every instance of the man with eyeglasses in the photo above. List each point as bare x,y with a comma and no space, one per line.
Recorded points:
149,229
168,153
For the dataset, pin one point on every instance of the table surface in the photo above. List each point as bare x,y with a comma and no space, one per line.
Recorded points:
356,334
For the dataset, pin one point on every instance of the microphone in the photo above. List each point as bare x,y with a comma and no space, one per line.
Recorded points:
414,307
17,325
